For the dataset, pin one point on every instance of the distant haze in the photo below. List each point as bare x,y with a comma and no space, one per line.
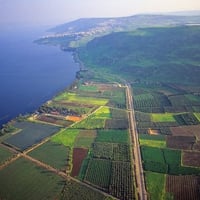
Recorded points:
52,12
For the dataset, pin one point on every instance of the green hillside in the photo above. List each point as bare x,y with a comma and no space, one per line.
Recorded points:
170,54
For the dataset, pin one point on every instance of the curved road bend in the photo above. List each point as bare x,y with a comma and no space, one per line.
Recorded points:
139,174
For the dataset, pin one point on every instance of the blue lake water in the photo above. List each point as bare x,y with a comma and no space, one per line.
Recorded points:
30,74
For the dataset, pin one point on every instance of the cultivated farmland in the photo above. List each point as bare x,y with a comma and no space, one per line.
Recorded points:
30,134
102,178
53,154
78,156
183,187
155,185
4,154
24,180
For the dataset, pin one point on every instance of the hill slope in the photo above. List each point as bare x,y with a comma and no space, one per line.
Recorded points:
79,32
169,55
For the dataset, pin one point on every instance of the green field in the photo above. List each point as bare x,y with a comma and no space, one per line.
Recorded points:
96,120
153,143
90,123
155,183
24,180
164,160
102,113
66,137
53,154
4,154
73,97
112,136
152,140
166,117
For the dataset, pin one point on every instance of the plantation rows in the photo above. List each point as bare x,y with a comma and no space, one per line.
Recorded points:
121,185
151,102
98,172
114,177
111,151
73,191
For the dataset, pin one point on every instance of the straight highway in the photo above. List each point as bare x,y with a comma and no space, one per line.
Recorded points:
139,174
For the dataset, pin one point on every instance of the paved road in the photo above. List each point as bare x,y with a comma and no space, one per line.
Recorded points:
142,194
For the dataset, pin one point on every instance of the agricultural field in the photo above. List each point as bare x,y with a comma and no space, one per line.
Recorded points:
150,102
66,137
158,141
155,183
166,117
53,154
54,120
78,156
73,97
191,158
96,120
66,108
88,88
186,119
4,154
165,161
102,178
24,180
183,187
181,142
112,136
111,151
192,131
122,181
119,119
85,138
30,134
75,191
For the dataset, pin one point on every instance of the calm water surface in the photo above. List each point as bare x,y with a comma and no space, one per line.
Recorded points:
30,74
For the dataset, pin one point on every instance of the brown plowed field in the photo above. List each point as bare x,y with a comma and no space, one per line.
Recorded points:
193,130
183,187
78,156
181,142
191,158
196,146
53,120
